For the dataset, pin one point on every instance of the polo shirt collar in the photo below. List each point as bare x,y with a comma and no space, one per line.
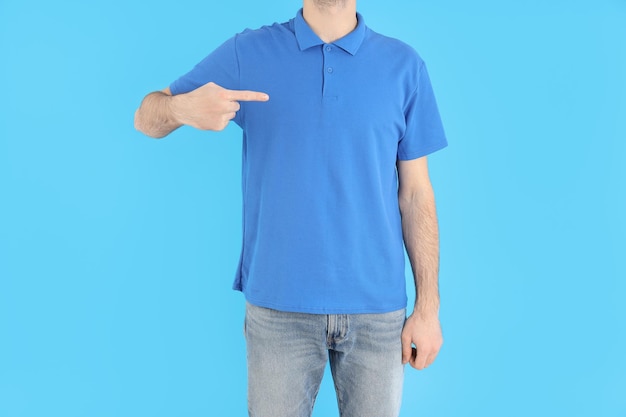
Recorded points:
307,38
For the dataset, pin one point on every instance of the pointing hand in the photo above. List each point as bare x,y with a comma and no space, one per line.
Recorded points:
211,107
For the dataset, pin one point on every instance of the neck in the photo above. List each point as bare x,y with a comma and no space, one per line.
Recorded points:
330,19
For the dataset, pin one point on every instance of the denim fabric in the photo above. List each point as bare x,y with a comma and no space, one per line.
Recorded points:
287,353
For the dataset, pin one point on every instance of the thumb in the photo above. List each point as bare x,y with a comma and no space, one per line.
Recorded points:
407,350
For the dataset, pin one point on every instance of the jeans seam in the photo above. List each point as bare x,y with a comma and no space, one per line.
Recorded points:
314,398
339,398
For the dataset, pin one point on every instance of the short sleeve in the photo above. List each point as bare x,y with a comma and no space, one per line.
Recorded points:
424,132
221,67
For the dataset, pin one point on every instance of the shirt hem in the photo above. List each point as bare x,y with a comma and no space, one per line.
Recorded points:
325,310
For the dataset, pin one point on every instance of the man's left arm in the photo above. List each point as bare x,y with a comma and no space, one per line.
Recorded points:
421,238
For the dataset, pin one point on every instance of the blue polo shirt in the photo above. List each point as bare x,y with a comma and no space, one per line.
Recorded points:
321,221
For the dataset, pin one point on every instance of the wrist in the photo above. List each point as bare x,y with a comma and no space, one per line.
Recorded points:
175,108
426,312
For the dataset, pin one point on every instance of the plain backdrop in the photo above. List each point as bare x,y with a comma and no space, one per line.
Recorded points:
117,251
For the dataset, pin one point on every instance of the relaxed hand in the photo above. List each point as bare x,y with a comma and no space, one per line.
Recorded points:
425,334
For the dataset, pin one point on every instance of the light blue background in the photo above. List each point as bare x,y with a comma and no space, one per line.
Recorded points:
117,251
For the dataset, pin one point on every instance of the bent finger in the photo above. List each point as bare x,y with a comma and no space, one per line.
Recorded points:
230,106
430,360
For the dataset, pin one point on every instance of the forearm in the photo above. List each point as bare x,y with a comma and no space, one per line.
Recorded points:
155,116
421,238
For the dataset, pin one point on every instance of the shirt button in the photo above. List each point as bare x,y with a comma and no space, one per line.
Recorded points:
328,48
330,69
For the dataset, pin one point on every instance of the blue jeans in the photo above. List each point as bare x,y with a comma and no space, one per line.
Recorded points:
287,353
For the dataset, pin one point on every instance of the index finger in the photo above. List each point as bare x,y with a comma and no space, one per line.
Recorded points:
246,95
418,359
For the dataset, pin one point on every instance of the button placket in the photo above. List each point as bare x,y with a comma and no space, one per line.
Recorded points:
327,51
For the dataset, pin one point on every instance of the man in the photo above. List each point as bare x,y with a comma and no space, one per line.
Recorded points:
337,121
